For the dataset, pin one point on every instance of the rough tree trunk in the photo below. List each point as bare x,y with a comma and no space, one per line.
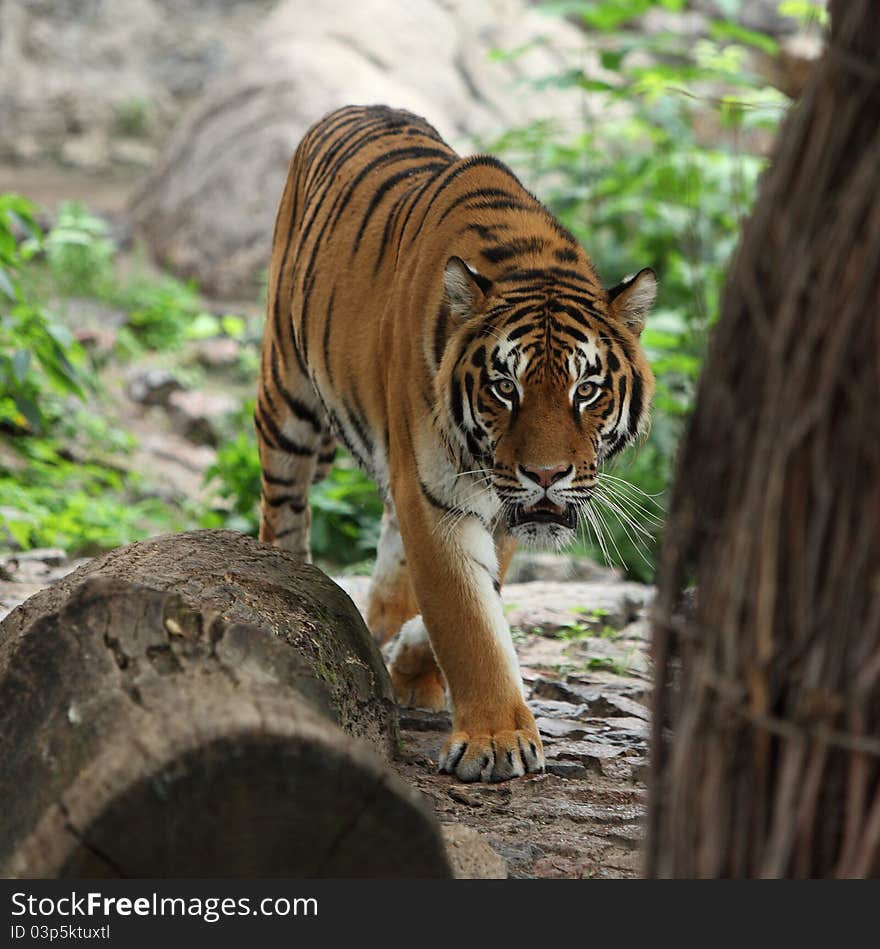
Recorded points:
174,709
771,694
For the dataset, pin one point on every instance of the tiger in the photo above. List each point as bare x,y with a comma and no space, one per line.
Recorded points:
429,313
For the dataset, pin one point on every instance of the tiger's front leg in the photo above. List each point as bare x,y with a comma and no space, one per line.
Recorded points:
454,571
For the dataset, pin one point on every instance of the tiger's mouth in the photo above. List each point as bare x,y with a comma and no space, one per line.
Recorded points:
543,512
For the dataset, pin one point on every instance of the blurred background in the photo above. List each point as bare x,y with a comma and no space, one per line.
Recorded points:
143,149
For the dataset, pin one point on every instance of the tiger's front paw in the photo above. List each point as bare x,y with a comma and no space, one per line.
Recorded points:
492,747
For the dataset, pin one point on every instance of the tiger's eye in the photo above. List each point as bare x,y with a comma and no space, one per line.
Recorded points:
586,390
505,387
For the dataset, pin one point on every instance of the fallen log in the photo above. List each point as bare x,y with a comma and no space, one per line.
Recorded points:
201,705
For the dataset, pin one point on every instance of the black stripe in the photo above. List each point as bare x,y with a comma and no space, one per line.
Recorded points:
280,482
636,399
389,183
296,503
520,245
325,341
440,334
281,441
432,499
299,408
472,196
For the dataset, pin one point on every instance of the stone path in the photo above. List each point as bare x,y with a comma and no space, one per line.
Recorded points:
583,647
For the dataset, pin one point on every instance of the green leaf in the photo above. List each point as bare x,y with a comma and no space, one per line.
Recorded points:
611,59
6,286
805,11
30,411
20,531
727,30
21,364
203,326
233,325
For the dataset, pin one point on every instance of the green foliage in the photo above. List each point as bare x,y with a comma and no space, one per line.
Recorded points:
805,12
38,356
80,506
663,179
79,251
346,509
132,117
59,481
161,313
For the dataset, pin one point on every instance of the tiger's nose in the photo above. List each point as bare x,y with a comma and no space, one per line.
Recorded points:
545,476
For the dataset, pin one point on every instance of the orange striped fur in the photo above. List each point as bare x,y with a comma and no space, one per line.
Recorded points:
428,312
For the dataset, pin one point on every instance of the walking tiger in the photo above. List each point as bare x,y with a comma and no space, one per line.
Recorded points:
428,311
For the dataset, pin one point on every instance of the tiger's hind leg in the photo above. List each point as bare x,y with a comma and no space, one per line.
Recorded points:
294,443
326,457
415,675
392,600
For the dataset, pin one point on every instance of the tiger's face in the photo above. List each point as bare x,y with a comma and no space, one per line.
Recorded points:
544,380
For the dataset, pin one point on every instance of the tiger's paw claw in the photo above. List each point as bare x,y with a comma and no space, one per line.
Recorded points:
492,757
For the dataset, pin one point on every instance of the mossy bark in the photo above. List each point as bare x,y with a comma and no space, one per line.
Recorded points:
200,705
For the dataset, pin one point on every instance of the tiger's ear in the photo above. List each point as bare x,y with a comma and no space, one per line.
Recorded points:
632,298
463,288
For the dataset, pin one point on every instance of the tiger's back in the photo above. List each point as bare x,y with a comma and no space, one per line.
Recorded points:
352,187
429,312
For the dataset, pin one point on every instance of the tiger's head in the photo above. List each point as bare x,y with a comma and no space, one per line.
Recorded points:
540,378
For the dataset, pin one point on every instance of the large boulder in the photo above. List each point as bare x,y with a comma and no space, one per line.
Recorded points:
207,210
99,83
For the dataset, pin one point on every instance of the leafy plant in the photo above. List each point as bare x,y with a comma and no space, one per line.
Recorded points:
60,480
39,358
79,251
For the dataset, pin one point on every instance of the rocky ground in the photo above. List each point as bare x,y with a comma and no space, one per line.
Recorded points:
582,638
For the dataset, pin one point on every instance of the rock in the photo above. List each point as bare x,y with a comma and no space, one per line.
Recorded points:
130,152
614,705
423,720
45,556
528,566
141,70
554,605
551,707
586,752
583,692
205,217
85,313
99,342
566,769
561,728
86,152
152,387
221,352
196,414
470,856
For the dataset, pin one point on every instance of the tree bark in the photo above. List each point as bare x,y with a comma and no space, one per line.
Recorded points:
173,710
766,743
